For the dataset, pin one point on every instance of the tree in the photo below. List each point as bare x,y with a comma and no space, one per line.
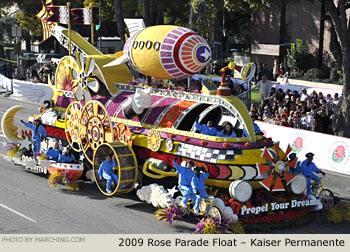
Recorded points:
118,7
341,22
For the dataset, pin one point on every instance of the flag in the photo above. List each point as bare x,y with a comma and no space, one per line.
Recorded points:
59,14
80,16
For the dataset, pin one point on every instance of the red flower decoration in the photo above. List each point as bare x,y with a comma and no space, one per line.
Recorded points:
172,135
138,128
186,139
225,145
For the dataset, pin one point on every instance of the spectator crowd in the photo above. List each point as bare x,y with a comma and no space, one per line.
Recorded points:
298,110
32,74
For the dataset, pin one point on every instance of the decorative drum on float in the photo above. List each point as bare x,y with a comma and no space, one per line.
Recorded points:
240,190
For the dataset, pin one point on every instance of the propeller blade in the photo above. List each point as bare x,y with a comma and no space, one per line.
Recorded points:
292,163
121,60
87,95
89,66
75,74
278,186
276,145
289,177
267,155
78,93
93,84
267,182
80,59
262,169
288,150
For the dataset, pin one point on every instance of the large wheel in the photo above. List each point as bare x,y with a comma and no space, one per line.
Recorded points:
71,125
126,169
327,198
216,214
95,128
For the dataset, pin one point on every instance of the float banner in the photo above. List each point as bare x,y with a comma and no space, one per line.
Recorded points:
331,152
274,206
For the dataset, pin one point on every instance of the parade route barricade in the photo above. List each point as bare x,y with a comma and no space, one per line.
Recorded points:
332,153
6,83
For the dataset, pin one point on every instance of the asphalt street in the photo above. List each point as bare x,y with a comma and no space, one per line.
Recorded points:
28,205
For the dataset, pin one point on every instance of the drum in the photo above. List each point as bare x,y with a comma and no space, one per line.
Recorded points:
240,190
298,184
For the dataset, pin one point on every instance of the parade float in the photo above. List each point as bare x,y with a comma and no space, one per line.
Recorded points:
96,108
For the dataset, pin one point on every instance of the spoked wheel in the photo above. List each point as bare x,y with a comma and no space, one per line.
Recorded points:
95,128
71,125
327,198
216,214
126,169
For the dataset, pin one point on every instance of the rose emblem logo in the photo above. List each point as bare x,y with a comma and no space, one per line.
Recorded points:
297,144
338,154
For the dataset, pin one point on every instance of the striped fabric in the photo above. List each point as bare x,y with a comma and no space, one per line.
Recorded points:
43,15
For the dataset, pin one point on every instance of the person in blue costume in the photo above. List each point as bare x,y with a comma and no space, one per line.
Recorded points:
206,129
106,171
227,131
308,168
66,156
198,187
297,169
53,153
185,178
38,134
257,130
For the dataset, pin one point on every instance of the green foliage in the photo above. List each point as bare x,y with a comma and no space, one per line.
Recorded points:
297,55
313,74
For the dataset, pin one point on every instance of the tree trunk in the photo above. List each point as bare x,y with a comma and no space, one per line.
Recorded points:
342,123
118,7
147,12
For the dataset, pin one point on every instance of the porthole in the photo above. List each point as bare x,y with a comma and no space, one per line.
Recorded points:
156,46
141,44
149,44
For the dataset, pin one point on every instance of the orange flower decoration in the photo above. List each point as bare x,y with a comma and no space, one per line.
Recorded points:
225,145
203,143
42,109
172,135
186,139
247,144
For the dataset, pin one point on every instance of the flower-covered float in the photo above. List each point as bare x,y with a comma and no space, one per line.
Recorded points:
96,109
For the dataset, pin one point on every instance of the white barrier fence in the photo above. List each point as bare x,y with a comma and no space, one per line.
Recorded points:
5,83
332,153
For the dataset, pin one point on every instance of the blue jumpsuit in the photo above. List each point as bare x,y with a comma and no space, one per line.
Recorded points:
307,171
36,135
198,184
106,171
52,154
63,158
204,129
257,130
185,177
221,134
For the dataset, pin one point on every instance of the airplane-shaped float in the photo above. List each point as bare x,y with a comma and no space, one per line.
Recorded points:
95,109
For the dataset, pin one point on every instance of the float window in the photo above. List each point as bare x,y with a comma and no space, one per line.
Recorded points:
149,44
156,46
141,44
